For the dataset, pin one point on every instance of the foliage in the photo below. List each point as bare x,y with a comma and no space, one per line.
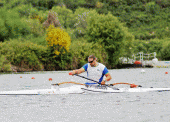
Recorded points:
26,10
153,45
39,4
71,32
42,16
11,25
52,19
81,49
107,30
24,54
36,27
93,22
165,50
152,7
65,16
40,40
4,64
129,44
83,17
58,39
99,4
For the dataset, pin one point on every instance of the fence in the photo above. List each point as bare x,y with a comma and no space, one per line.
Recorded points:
141,56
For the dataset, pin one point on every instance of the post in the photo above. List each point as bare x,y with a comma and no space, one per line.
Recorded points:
142,56
154,54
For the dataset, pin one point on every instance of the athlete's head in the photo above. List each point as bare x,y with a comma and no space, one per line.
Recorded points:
92,60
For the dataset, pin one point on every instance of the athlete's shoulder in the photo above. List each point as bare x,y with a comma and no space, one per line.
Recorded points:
102,65
85,66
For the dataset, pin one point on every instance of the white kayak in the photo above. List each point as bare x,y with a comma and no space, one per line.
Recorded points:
76,89
121,90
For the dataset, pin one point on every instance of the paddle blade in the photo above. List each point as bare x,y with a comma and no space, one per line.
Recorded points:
70,73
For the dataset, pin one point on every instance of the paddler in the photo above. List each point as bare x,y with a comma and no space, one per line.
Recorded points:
95,71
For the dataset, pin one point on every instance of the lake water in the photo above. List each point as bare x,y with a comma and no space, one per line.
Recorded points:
101,107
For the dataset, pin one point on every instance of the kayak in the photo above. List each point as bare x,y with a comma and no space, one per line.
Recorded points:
123,90
78,89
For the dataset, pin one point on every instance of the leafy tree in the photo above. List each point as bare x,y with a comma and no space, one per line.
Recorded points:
58,42
12,26
81,49
129,45
108,31
65,16
165,51
35,25
52,19
23,54
4,64
82,19
152,7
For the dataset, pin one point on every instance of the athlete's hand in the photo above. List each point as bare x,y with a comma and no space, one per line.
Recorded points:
72,73
103,82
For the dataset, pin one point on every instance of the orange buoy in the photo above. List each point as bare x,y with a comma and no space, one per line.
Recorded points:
137,62
166,72
50,79
32,78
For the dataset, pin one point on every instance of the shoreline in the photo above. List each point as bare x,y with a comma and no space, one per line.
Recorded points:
17,69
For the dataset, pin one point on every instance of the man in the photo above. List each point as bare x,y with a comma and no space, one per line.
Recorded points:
95,71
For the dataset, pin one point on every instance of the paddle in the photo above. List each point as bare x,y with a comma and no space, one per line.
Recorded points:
92,80
85,78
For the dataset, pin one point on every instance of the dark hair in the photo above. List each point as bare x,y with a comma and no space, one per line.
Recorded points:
92,56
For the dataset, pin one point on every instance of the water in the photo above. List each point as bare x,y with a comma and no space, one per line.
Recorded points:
103,107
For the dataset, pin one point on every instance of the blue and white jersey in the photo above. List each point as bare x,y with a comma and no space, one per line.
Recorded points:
96,73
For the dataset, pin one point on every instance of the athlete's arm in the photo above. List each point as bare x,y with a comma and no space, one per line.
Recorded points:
108,77
107,74
78,71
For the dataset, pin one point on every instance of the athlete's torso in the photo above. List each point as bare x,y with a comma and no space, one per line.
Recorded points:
96,73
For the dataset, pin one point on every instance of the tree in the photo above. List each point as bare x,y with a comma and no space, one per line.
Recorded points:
108,31
65,16
52,19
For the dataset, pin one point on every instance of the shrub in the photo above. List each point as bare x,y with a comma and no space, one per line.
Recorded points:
152,7
4,64
52,19
82,19
65,16
107,30
58,40
59,43
24,54
81,49
165,51
12,25
35,26
25,10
